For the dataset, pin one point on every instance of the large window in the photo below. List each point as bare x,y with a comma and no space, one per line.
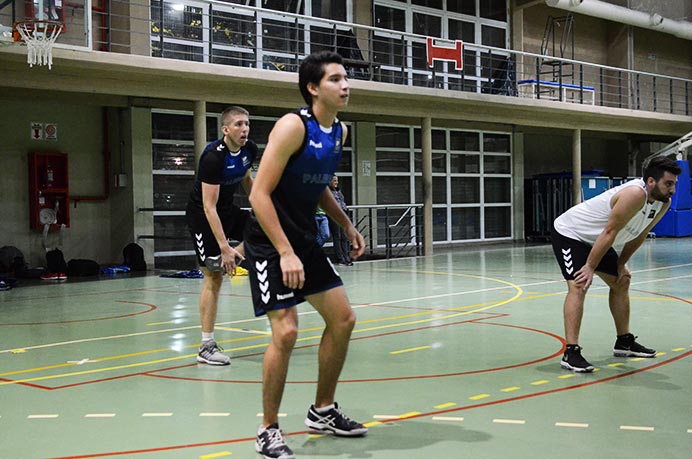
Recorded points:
232,35
472,180
174,166
403,58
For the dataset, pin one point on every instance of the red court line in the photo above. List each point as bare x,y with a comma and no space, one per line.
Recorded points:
35,386
163,448
663,294
547,392
151,307
152,373
422,415
479,321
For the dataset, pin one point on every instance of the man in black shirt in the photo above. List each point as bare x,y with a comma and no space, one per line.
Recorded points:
213,218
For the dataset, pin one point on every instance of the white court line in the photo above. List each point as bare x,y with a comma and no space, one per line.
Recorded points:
382,303
571,424
100,415
156,415
638,428
42,416
509,421
214,414
281,415
447,418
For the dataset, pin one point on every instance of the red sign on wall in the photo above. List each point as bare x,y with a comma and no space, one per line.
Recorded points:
444,53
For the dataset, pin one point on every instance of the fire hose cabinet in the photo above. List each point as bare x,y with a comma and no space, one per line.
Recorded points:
49,199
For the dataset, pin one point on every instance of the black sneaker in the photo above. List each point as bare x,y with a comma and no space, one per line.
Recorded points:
270,443
334,421
573,360
626,346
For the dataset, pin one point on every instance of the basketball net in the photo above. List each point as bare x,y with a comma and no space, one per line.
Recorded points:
39,37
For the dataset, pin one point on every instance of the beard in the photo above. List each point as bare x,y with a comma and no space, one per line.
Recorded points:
659,196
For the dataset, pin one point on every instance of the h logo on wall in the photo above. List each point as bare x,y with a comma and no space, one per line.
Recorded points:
445,53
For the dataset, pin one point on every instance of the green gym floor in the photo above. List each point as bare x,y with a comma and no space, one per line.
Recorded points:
454,355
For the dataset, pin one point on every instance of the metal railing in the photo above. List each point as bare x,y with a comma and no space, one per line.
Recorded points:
237,35
390,231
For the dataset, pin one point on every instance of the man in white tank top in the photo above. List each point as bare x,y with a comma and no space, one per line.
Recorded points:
583,240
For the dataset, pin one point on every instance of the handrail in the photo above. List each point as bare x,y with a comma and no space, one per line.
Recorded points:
402,217
491,49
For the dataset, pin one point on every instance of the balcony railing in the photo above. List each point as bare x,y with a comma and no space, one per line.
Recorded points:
389,231
223,33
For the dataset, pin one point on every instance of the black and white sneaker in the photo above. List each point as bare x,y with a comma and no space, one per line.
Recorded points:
271,445
334,421
573,360
626,346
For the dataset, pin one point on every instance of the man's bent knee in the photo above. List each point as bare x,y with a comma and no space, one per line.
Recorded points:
285,336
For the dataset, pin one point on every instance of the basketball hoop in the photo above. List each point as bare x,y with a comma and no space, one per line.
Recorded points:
39,37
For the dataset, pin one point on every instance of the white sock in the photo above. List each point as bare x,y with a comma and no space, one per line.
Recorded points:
324,409
207,336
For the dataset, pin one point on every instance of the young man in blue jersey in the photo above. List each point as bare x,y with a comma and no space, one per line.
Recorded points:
583,240
287,266
213,218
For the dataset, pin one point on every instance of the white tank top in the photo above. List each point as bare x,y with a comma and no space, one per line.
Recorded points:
587,220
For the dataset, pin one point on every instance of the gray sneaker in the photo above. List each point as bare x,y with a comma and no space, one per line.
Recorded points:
210,353
270,444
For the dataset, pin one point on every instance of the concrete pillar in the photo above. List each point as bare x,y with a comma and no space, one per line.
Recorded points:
426,139
576,167
200,126
138,156
518,185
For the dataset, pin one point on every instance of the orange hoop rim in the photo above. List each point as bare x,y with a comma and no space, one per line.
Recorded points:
40,24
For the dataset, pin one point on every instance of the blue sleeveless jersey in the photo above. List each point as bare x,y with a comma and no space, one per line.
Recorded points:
303,181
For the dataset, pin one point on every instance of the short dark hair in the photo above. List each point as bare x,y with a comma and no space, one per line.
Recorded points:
312,70
658,166
232,110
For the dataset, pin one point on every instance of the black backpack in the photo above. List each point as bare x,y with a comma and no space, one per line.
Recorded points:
55,261
78,268
8,258
133,257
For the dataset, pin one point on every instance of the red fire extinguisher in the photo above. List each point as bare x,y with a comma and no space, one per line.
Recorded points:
49,175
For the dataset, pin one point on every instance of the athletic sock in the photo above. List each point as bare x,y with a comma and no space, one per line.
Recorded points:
324,409
207,336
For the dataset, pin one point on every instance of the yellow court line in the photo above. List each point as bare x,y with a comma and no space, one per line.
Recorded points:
214,455
510,389
409,414
92,371
98,370
412,349
445,405
100,359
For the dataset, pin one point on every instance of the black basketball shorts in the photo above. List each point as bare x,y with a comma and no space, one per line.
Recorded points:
571,255
233,222
266,279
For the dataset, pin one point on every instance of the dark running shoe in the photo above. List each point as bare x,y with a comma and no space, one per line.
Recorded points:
270,443
573,360
334,421
626,346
